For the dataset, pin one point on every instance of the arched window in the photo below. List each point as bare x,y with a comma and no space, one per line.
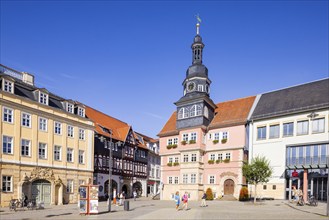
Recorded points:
198,110
206,112
186,113
193,111
181,113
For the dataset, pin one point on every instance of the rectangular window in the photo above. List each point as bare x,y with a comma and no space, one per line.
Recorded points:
8,115
318,125
170,180
169,142
225,135
274,187
211,179
200,178
176,179
193,136
288,129
200,88
302,127
69,107
43,98
70,131
185,177
81,112
220,157
176,160
175,140
261,133
185,158
264,187
216,136
193,158
193,178
7,183
228,156
25,147
42,151
58,128
43,124
81,134
69,155
212,156
69,187
274,131
81,157
57,153
7,145
26,120
185,137
170,160
8,86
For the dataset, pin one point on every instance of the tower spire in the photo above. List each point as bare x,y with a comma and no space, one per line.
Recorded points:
198,24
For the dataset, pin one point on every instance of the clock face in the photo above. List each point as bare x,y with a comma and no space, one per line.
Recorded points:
190,86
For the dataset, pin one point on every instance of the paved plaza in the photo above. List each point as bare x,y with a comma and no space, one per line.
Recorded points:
155,209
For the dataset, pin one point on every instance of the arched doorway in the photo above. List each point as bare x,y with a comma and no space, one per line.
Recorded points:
41,191
126,190
113,186
228,187
138,187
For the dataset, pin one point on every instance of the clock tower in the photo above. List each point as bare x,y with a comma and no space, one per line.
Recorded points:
195,108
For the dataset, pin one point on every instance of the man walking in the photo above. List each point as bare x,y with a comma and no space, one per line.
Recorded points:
203,202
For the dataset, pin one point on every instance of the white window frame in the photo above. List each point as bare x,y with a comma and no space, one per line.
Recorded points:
285,131
70,131
8,115
43,124
212,157
318,125
43,98
169,141
228,156
81,112
185,137
57,128
176,181
216,136
185,178
25,147
170,160
5,141
70,185
200,88
193,111
81,156
176,159
211,179
170,180
193,178
82,135
261,136
175,141
70,155
57,153
301,125
7,182
225,135
42,151
69,107
185,113
274,131
185,158
26,120
220,157
8,86
193,157
193,136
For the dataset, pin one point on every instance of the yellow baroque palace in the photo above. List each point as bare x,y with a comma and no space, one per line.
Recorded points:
47,143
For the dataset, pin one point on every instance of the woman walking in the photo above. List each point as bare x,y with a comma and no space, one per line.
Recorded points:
185,201
177,200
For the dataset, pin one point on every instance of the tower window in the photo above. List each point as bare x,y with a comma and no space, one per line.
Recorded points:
206,112
200,88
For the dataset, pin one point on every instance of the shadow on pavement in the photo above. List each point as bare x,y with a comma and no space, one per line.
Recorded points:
305,210
49,216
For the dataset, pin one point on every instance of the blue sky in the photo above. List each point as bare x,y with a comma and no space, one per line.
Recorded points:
129,58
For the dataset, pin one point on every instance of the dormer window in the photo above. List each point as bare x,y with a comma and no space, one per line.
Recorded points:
43,98
8,86
81,111
69,107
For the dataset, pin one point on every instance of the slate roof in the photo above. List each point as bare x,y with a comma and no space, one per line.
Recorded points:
229,113
296,99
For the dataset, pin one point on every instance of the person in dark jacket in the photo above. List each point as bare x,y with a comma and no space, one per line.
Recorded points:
203,200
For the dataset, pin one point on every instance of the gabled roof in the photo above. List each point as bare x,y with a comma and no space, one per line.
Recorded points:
104,123
231,113
301,98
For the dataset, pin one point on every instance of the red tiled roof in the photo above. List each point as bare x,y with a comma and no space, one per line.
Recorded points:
229,113
119,128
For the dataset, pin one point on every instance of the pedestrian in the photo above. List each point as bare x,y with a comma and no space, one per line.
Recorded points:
135,195
300,197
203,201
121,198
294,194
185,201
114,196
177,200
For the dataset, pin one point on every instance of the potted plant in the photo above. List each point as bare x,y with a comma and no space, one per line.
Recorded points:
169,164
183,142
218,161
227,160
211,161
192,142
169,146
176,164
174,145
224,140
215,141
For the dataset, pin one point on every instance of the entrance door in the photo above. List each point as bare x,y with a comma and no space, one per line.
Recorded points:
228,187
41,191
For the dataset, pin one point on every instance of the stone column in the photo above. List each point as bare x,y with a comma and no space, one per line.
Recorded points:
60,195
290,186
52,194
305,185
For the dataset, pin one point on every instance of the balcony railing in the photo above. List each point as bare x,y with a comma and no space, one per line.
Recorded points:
308,162
11,72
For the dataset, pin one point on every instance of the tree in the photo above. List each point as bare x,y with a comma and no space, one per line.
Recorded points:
258,171
209,194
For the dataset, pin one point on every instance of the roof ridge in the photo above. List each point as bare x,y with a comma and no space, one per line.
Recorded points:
105,114
251,96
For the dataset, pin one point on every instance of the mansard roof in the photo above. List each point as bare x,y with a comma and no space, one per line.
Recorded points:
105,123
229,113
306,97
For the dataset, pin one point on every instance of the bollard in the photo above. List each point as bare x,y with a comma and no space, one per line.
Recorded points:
126,205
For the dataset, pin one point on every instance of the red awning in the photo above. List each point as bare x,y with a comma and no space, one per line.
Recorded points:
150,182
